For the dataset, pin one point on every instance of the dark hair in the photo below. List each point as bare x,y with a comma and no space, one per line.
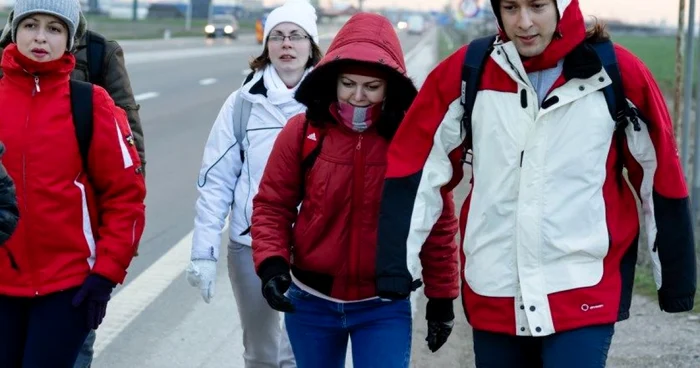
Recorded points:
319,90
596,32
264,59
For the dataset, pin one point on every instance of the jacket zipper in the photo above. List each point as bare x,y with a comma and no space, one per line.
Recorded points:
36,90
357,196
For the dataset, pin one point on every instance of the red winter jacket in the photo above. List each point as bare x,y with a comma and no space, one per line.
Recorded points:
71,222
331,244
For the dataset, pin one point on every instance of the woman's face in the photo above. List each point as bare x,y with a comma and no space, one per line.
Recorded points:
359,90
289,48
42,37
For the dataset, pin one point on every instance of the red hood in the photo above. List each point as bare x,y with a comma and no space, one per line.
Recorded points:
571,31
365,38
359,40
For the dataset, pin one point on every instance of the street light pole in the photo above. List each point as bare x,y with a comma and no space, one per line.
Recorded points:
135,14
188,17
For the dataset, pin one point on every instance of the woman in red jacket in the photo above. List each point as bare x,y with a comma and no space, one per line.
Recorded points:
332,160
81,211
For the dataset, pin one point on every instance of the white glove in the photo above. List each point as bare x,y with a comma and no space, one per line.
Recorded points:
201,273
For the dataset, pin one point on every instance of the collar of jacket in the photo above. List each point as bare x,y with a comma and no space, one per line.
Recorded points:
256,92
258,88
22,70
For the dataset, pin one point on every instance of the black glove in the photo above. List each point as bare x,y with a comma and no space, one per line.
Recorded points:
96,292
440,316
438,332
274,290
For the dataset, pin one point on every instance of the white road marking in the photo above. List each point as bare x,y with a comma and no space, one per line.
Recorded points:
137,295
207,81
140,293
146,96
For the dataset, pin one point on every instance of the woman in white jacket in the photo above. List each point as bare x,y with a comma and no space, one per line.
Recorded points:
231,171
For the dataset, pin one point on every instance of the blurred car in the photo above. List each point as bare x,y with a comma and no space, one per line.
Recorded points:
223,25
416,25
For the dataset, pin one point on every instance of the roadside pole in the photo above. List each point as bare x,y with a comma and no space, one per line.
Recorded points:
695,199
688,88
188,17
677,95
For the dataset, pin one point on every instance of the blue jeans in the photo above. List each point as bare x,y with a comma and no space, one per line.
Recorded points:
319,329
585,347
86,351
43,331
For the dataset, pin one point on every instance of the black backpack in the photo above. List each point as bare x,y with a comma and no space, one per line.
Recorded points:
81,106
81,93
479,50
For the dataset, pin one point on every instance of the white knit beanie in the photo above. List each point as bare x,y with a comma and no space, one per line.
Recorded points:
299,12
67,11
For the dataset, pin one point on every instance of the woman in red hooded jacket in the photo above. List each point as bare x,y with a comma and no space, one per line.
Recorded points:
81,215
332,160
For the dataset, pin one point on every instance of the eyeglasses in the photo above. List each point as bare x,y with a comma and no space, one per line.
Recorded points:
292,38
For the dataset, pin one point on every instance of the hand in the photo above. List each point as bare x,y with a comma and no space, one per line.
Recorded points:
96,292
201,273
274,290
438,332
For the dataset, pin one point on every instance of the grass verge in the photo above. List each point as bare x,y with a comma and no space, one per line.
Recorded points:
446,45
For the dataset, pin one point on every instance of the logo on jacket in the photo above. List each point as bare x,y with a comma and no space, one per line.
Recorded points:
586,307
311,136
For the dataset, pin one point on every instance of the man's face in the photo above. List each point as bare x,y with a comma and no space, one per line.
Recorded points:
530,24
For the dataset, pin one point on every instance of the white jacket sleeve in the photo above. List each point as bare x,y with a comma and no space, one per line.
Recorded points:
217,179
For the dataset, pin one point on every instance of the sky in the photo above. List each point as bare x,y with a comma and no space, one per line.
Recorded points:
635,11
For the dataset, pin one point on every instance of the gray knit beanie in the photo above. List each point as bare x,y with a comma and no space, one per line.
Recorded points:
66,10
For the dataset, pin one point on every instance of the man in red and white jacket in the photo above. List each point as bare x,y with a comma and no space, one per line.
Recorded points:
550,228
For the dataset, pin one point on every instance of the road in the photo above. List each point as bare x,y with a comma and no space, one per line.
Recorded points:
156,319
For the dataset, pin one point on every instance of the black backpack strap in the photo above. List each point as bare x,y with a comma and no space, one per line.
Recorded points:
308,158
95,56
474,60
614,92
81,106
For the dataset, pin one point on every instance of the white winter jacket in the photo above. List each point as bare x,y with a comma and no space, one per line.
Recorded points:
227,183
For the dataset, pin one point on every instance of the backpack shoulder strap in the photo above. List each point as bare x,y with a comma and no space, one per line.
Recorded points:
312,140
95,56
614,92
241,115
81,107
474,60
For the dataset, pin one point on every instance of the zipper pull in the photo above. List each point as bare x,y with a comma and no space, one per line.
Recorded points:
359,144
36,83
